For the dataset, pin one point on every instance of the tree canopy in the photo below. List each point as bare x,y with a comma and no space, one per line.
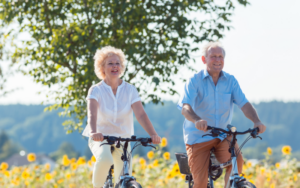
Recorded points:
54,41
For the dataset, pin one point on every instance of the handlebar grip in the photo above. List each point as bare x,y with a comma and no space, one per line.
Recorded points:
105,137
209,127
254,133
149,140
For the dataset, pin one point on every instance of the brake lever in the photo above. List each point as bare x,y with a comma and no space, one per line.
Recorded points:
259,137
150,146
118,145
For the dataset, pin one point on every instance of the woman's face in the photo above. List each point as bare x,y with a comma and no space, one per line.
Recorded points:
112,67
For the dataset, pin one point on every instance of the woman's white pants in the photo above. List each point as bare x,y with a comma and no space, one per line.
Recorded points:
104,160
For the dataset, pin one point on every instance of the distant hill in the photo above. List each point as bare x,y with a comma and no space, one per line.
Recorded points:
42,132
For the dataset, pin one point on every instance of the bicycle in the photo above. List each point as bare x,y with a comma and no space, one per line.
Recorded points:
215,168
126,181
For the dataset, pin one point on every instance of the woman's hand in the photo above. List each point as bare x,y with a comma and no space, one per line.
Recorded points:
155,139
97,136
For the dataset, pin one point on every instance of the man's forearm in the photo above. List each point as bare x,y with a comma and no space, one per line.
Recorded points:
189,113
250,112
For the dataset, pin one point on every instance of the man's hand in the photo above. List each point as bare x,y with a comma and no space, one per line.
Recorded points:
155,139
261,126
201,125
97,136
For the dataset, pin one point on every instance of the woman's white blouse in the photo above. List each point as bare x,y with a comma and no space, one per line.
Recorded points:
115,115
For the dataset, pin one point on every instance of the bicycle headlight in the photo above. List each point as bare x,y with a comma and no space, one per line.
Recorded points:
233,129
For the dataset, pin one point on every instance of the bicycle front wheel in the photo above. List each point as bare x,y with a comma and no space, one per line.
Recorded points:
133,184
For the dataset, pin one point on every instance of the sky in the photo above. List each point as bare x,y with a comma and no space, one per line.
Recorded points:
262,52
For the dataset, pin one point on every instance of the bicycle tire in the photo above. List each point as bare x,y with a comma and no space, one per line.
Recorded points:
133,184
245,184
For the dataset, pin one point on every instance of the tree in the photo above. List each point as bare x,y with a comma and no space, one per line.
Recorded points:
2,81
7,147
62,37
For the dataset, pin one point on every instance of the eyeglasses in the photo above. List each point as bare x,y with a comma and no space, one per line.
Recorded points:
113,64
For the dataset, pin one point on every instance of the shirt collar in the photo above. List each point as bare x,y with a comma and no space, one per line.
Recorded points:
205,74
120,86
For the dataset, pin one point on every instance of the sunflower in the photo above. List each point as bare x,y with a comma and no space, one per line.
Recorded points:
81,161
150,154
31,157
176,169
66,161
169,175
249,164
164,142
60,181
155,163
269,151
295,177
262,170
286,150
6,173
25,175
150,166
74,166
26,182
48,177
73,160
251,181
68,175
166,155
142,161
47,166
4,166
93,158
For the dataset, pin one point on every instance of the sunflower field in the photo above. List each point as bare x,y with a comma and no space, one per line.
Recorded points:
157,170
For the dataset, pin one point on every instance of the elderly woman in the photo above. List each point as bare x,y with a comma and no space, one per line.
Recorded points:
111,104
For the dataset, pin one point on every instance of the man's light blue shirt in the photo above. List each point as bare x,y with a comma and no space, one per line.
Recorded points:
213,103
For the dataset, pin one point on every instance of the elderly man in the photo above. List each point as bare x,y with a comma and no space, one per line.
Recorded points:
208,100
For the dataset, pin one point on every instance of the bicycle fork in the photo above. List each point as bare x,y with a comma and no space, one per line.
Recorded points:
234,175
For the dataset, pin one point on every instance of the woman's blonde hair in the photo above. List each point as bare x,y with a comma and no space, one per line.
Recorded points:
101,56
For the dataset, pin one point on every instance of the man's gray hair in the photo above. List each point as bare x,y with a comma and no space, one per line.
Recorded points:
209,45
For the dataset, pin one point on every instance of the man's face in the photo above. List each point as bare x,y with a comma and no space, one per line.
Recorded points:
214,60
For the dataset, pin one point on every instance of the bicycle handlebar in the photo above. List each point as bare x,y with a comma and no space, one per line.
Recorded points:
216,131
113,139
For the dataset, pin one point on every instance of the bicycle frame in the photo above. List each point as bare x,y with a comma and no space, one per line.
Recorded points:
234,175
125,177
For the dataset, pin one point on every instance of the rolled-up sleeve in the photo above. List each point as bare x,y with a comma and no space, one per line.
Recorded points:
239,97
189,95
135,95
93,93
